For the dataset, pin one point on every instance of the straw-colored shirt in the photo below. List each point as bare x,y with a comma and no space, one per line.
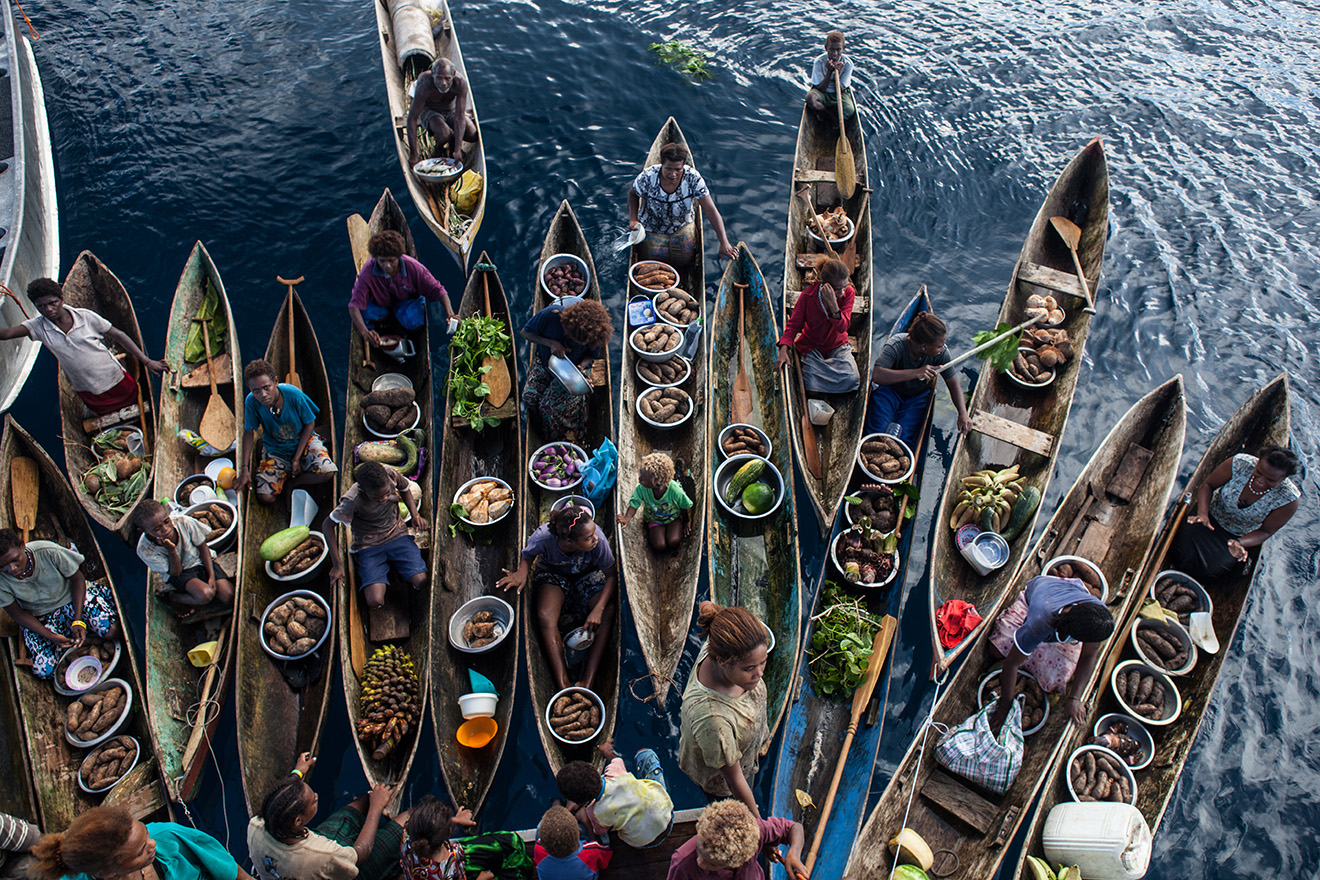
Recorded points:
718,730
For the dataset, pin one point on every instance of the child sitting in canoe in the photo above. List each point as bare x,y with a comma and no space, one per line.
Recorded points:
429,853
822,97
665,506
174,546
575,581
381,540
560,853
635,806
293,454
901,380
818,331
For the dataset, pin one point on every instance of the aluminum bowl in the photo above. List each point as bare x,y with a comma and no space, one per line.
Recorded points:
558,260
1022,383
502,610
834,557
307,573
1136,730
463,488
815,238
670,321
724,475
681,361
137,756
636,267
765,438
107,667
569,375
581,456
113,728
593,696
578,500
1207,604
366,423
912,460
1067,770
230,535
279,600
653,357
663,426
1075,561
439,170
1172,698
1172,630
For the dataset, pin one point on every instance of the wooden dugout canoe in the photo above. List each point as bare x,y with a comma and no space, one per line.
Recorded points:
841,439
754,563
1262,420
429,199
468,566
91,285
1124,488
565,237
404,619
815,726
1014,425
53,761
173,683
662,588
276,723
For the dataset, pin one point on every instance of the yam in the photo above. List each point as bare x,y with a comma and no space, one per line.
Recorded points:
648,406
1147,684
401,418
280,614
302,646
378,415
74,715
391,397
560,705
296,630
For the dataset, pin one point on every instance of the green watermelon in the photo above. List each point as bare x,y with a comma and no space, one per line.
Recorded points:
758,498
910,872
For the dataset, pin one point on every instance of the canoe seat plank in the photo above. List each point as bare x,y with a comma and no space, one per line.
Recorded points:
1012,433
390,623
807,175
1053,279
1094,544
947,792
600,373
507,411
1123,485
97,424
861,304
198,375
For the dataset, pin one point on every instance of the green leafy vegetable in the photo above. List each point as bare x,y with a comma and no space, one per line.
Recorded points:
477,338
683,58
117,497
841,644
1001,354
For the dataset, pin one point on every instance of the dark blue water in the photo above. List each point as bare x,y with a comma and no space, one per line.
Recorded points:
257,127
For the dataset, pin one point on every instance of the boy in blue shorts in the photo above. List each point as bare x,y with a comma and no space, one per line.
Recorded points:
381,541
290,445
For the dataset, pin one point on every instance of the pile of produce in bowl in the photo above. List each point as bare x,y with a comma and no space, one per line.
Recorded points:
1142,692
1161,645
93,714
1047,307
741,440
877,502
1097,776
657,338
293,550
676,307
1029,369
390,410
217,516
1034,700
93,645
665,405
756,495
482,628
664,373
1052,347
107,763
1118,740
886,458
865,555
1082,571
565,280
835,223
484,502
575,717
1180,598
654,275
294,626
403,453
390,701
557,466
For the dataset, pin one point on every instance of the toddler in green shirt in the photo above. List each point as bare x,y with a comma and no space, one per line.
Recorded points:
665,506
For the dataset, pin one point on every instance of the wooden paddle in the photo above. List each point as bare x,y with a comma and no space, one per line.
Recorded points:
357,645
1072,236
988,343
861,697
741,405
24,486
217,427
845,171
292,376
358,233
810,451
497,377
812,220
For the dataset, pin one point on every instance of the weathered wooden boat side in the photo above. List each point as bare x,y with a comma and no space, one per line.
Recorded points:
1010,422
565,236
431,200
813,173
815,726
468,566
1263,419
91,285
173,683
662,588
277,722
17,792
53,761
755,563
1119,540
30,214
409,606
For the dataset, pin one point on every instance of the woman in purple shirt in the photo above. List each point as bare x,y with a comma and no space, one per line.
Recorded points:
393,289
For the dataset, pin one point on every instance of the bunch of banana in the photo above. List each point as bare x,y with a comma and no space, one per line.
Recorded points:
987,499
389,703
1040,870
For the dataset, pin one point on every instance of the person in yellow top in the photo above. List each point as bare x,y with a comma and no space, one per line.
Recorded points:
635,806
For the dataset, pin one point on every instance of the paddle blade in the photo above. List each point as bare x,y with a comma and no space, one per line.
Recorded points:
1067,230
358,233
217,426
24,484
845,169
742,397
498,380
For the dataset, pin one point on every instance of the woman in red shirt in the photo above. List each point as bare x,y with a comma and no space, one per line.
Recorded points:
818,330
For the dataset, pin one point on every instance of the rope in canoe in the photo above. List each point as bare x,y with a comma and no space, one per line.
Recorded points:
926,727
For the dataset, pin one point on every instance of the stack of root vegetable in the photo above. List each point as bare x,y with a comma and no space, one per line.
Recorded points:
295,625
1096,776
663,373
885,458
390,410
1143,692
741,440
390,702
657,338
217,516
575,717
93,714
676,306
108,762
1160,646
653,275
666,405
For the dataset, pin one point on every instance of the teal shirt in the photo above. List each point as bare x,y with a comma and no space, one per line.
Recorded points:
279,434
184,853
664,511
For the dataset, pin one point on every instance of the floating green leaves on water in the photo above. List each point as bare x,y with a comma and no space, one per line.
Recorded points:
683,58
1001,354
477,338
841,643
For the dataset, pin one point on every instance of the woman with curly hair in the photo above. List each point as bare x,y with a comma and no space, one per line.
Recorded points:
665,506
573,328
728,838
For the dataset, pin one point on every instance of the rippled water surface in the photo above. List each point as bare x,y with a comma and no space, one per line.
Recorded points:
257,127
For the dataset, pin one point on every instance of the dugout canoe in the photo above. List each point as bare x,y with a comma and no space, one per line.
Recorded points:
565,237
404,619
1013,425
16,789
469,565
29,214
173,683
53,762
276,721
813,175
815,726
1116,502
91,285
662,588
1263,419
405,55
754,563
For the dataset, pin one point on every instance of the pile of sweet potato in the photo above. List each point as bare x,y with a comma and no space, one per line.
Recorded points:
1143,692
1178,598
653,275
93,714
676,306
1098,777
575,717
108,762
1082,572
217,516
1033,700
741,440
1161,646
295,625
658,338
300,558
663,373
666,405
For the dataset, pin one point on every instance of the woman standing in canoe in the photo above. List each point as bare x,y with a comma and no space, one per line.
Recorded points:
661,200
573,328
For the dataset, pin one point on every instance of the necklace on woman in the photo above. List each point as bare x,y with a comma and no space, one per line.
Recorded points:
1251,486
31,564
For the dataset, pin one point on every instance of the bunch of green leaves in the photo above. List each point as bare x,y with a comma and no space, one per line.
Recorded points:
841,643
477,338
1001,354
685,59
115,496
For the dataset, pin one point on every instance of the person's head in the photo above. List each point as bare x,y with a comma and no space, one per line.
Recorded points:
736,641
673,159
655,471
260,378
153,518
1085,622
575,529
375,479
387,247
588,323
558,832
927,334
47,295
13,555
580,782
428,830
288,807
102,842
834,43
833,272
1274,465
727,836
442,71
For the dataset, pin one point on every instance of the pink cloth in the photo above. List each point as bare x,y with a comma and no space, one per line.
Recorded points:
819,332
955,620
1053,663
374,287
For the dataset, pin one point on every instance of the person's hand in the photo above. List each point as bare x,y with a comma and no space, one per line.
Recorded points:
557,348
373,337
380,796
793,865
297,466
241,481
1239,552
304,762
62,642
464,817
781,360
687,526
728,250
926,373
622,519
1076,710
78,637
998,717
421,525
595,618
169,545
829,299
511,579
607,749
964,424
337,574
1200,518
158,367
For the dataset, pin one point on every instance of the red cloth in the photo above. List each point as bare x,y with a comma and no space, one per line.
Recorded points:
819,332
374,287
118,397
955,620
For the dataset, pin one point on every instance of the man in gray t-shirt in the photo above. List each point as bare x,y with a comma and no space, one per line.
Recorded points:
903,377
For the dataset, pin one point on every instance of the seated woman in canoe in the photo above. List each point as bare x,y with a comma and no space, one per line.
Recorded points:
392,290
43,588
1243,501
822,97
723,725
818,331
661,200
576,585
1055,631
573,328
77,338
902,376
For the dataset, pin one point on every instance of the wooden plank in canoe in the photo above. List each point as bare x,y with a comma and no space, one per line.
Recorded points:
1014,433
200,375
1130,471
860,304
958,799
811,175
1053,279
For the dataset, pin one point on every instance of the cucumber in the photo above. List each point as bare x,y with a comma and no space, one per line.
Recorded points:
409,447
745,476
987,520
278,545
1023,509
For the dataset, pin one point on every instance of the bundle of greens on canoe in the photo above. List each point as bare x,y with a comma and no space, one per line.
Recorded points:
118,478
477,339
841,643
